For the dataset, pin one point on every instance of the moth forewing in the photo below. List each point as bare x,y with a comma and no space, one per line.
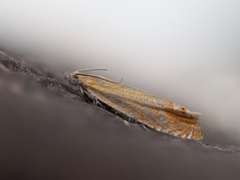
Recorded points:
153,111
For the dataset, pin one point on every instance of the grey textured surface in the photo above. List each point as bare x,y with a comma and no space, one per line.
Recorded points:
48,133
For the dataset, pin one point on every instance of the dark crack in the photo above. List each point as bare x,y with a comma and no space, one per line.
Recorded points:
230,150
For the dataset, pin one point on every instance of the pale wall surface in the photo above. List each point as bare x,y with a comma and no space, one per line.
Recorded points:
186,51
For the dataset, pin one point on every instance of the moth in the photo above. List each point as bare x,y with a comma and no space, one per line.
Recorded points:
148,109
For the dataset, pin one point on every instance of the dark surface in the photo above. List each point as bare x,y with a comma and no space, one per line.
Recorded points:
48,133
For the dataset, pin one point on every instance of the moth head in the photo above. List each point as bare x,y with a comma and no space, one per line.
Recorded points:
73,81
71,78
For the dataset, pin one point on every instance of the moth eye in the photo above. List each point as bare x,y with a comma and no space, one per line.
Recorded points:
73,81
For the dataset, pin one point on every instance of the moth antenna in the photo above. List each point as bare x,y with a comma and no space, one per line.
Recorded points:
91,69
91,75
120,81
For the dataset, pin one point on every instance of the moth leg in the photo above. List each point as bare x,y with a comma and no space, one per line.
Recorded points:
144,126
81,90
93,98
97,102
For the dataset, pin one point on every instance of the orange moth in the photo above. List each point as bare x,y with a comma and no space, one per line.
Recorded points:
147,109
